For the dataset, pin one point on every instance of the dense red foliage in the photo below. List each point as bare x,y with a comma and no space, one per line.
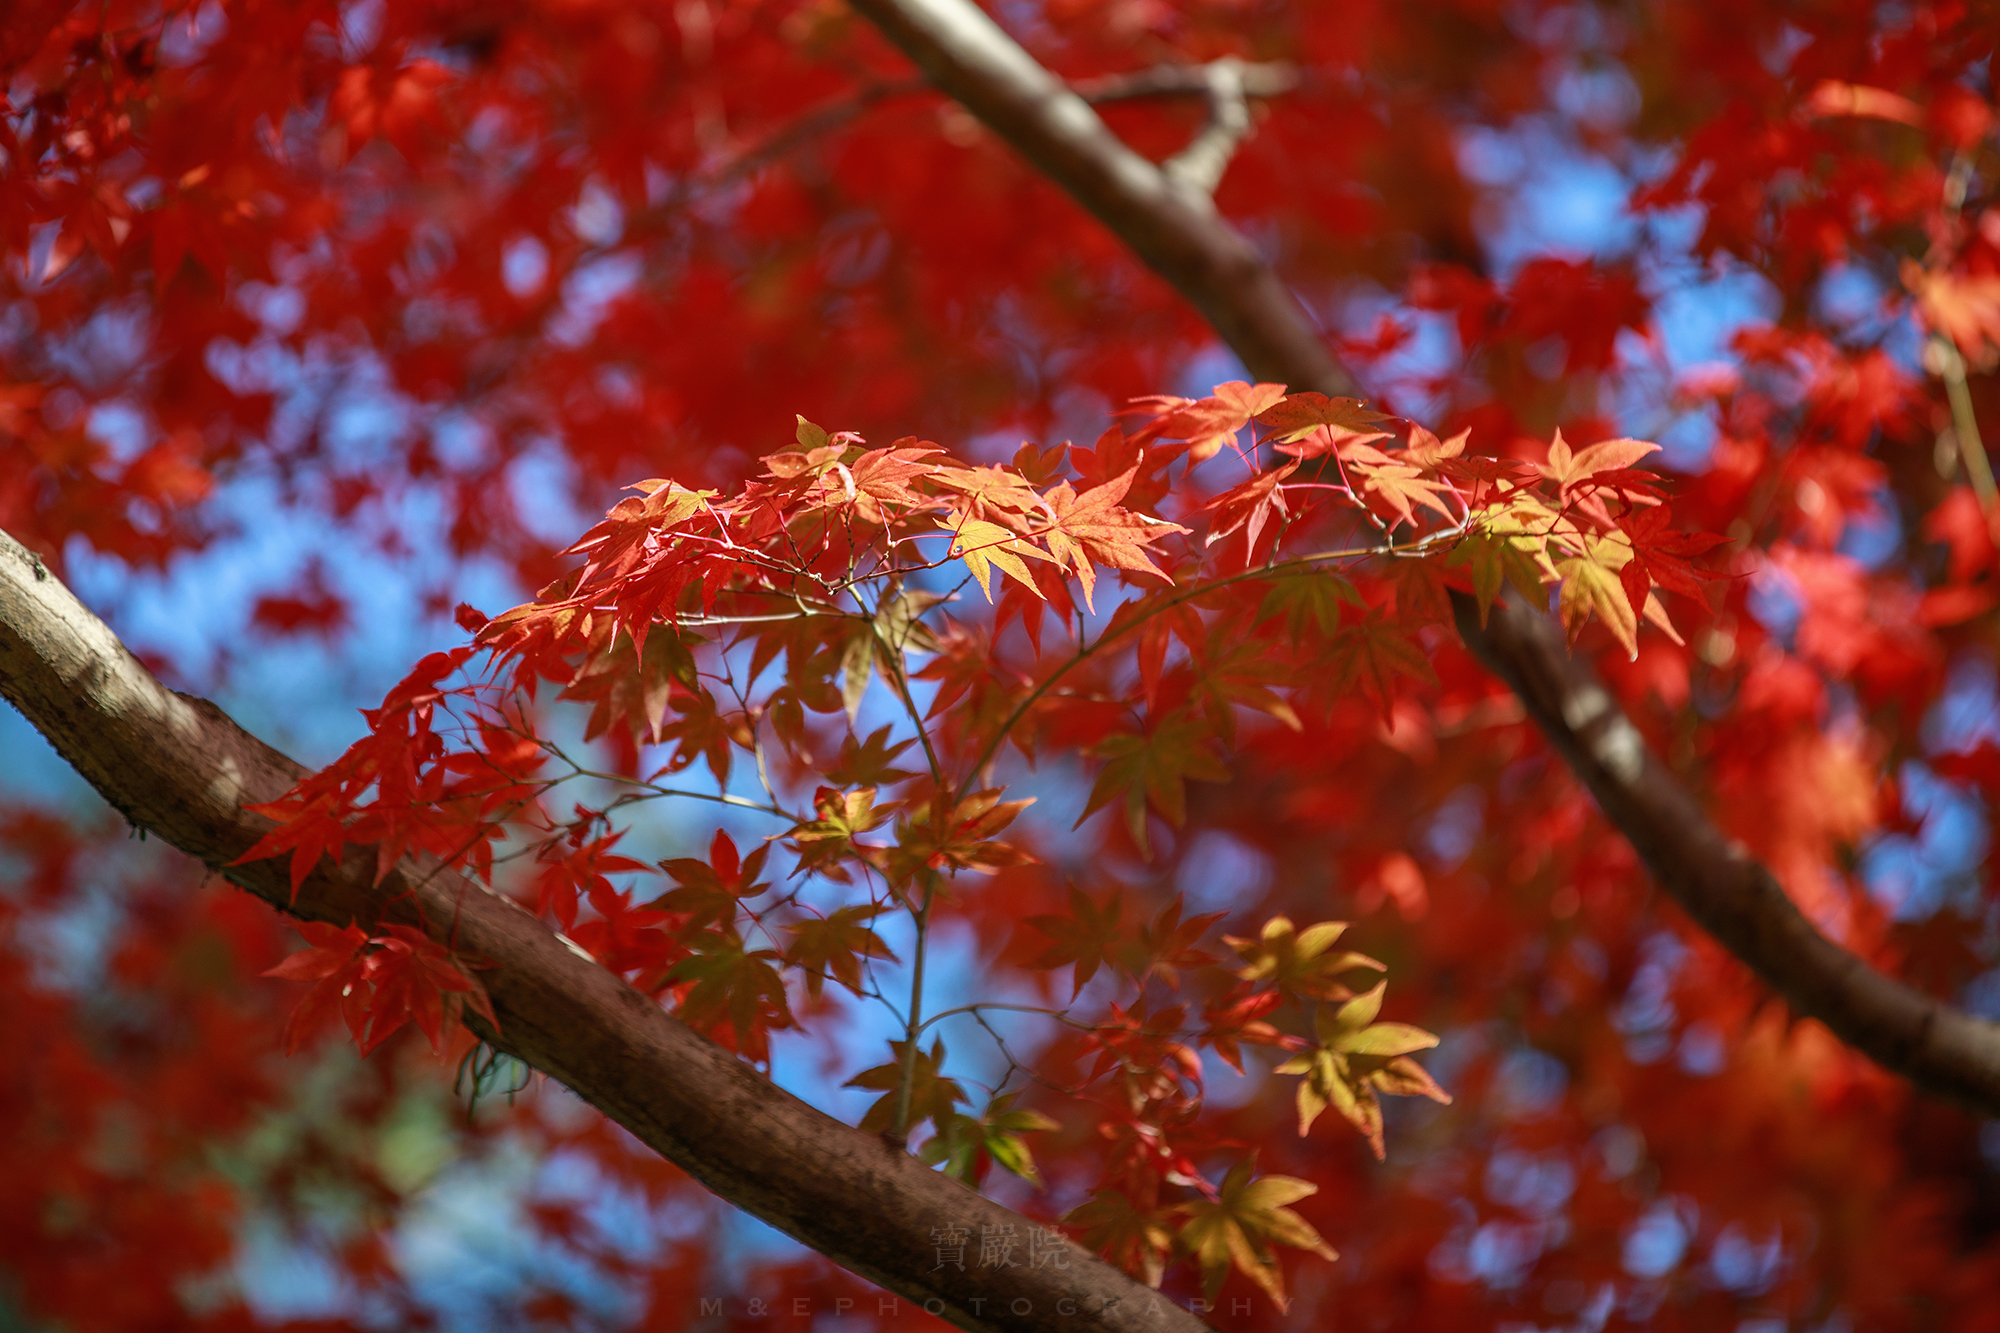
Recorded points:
636,238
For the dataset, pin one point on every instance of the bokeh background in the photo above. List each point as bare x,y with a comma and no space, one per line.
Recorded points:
445,278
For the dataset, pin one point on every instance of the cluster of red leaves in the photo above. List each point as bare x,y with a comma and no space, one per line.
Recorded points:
428,194
145,1119
376,984
848,562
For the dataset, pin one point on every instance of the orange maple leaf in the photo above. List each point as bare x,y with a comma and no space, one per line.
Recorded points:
1092,527
1964,308
1209,423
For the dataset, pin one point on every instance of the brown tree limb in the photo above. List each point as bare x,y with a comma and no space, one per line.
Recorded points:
1940,1049
1227,85
1172,227
178,767
1200,165
1728,892
1272,78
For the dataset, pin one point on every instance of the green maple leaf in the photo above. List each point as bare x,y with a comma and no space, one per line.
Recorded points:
1151,769
1135,1239
899,620
1300,961
1591,584
1356,1058
1509,543
932,1096
857,663
985,546
823,841
833,946
884,638
965,840
965,1144
809,435
1494,561
1237,1229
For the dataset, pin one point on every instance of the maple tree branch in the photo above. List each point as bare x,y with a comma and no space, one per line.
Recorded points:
1258,79
1200,165
1227,85
1939,1048
1942,359
1728,892
181,769
813,124
1060,1015
1170,226
907,1078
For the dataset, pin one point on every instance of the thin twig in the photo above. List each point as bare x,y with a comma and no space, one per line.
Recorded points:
1259,79
1199,166
1942,359
1188,594
906,1081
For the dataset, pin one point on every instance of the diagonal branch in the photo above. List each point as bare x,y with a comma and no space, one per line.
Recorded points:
1729,894
1172,227
1941,358
178,767
1940,1049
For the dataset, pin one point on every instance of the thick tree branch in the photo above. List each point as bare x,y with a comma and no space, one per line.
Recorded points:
178,767
1730,894
1171,226
1940,1049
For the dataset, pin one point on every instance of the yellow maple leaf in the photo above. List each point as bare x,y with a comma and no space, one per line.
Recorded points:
985,546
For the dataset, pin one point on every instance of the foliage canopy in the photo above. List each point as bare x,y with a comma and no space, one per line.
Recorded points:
1125,815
